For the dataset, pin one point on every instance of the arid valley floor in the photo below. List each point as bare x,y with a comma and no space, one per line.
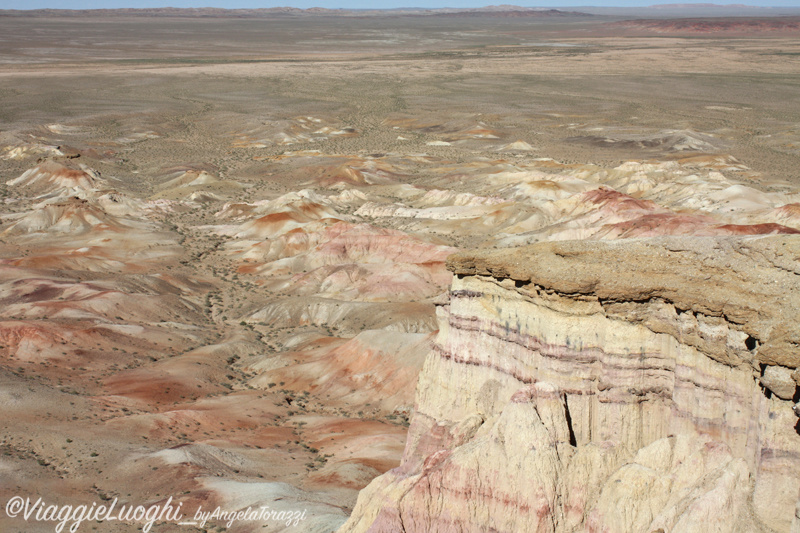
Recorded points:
223,240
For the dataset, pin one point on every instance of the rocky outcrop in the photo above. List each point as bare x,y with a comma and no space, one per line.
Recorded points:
637,386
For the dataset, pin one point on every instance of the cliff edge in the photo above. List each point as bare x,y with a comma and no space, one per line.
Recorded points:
626,386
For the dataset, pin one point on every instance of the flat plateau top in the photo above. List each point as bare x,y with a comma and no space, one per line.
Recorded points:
751,282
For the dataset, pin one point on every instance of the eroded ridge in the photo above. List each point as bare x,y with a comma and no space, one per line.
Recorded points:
606,386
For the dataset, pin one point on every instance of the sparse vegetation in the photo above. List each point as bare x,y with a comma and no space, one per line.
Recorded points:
235,336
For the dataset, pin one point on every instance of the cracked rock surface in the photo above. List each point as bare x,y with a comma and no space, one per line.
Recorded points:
606,387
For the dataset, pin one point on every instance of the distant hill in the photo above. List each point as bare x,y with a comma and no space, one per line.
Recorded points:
714,25
700,6
213,12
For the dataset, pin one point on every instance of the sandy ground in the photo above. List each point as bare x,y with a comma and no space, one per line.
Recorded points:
220,288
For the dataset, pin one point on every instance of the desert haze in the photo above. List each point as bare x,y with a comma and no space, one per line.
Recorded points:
501,269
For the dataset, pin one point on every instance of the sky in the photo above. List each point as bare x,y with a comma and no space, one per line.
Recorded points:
353,4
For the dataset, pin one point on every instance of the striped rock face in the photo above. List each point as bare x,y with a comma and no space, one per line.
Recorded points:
580,386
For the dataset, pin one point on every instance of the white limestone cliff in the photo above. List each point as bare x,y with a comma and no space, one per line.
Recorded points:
640,386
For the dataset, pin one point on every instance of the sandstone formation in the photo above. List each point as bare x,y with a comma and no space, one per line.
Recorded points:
629,386
223,245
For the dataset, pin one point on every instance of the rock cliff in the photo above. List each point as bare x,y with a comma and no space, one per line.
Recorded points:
646,385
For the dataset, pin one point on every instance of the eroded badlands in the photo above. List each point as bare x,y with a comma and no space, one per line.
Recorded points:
275,285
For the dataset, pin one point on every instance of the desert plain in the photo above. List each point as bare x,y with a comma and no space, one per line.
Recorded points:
223,236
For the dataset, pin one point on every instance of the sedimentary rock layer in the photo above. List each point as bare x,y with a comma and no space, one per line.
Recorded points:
606,386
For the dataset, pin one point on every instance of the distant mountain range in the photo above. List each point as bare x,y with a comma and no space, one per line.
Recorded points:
700,6
714,25
503,10
213,12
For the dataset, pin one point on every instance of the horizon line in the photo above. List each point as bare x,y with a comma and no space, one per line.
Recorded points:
500,7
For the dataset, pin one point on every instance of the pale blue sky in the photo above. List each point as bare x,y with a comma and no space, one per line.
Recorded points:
357,4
